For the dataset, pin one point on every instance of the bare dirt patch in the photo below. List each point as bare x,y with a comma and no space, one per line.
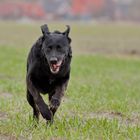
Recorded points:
3,116
6,95
10,137
5,137
133,120
108,115
125,51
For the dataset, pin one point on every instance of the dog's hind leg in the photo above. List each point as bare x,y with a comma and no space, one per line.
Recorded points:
33,105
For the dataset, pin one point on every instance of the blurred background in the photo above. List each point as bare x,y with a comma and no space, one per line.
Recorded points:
100,10
97,26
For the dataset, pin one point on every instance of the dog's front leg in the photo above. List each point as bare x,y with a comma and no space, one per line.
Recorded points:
42,106
55,99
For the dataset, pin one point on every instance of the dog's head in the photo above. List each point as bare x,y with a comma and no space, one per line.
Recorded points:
55,47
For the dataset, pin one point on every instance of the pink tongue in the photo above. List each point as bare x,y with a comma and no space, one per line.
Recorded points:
55,66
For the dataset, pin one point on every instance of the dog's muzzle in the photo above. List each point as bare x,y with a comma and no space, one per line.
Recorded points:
55,65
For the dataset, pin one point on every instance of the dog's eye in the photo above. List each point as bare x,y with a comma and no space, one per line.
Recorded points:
49,48
59,47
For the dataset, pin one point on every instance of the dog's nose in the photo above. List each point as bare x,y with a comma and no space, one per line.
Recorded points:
53,60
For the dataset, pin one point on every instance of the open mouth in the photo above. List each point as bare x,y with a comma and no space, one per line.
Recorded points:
55,67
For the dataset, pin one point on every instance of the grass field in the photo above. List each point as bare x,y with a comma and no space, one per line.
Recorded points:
103,98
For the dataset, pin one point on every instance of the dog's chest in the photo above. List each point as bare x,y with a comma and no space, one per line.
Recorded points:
44,83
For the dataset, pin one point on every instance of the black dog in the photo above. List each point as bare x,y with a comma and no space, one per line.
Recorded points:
48,71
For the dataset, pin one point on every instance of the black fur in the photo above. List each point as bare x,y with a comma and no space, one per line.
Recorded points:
45,74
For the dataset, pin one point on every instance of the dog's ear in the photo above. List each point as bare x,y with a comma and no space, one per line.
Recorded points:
45,30
66,33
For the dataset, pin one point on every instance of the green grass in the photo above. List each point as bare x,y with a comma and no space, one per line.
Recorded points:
102,100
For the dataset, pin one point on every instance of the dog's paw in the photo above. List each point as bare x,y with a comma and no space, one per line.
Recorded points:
46,113
54,103
49,122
